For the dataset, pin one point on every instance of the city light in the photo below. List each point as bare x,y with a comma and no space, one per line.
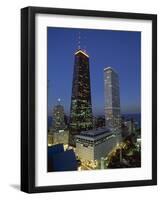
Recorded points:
93,142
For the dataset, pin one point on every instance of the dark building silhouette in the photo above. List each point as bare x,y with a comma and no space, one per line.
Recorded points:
65,161
100,122
60,160
81,106
56,149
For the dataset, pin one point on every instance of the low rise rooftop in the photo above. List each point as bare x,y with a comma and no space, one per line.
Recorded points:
94,134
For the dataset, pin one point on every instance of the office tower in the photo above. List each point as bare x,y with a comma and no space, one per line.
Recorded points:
81,107
58,117
112,98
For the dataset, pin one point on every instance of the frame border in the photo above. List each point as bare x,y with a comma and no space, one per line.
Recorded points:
28,99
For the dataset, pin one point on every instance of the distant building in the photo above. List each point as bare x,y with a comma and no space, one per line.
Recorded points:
95,144
124,131
128,128
58,117
58,137
138,143
81,106
100,122
66,120
50,139
112,98
131,126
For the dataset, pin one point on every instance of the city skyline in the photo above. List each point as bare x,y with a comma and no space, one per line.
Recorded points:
122,53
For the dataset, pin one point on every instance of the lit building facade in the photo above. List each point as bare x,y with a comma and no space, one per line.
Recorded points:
50,139
59,137
81,106
58,117
94,144
128,128
112,98
131,126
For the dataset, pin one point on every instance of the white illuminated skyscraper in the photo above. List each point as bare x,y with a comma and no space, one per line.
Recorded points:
112,98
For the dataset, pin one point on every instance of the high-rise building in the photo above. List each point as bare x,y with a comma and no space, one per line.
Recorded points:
81,106
112,98
58,117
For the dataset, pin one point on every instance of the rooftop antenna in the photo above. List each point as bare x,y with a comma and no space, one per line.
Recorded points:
79,38
85,48
84,44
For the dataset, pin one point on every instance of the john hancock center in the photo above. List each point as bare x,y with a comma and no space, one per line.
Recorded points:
81,140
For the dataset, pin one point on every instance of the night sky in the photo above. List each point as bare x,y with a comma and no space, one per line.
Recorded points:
119,49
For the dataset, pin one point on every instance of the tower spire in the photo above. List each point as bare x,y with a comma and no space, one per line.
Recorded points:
85,44
81,46
79,39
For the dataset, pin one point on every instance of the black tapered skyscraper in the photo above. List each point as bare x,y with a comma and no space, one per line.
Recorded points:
81,106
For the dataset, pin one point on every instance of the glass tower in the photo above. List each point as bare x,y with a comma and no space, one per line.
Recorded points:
81,107
112,98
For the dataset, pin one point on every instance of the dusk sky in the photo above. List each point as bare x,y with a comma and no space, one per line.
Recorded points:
119,49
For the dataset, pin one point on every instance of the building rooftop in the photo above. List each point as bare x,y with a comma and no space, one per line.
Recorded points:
107,68
110,68
94,134
81,51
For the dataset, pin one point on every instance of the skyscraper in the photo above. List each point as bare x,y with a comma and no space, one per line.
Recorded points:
112,98
81,107
58,117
